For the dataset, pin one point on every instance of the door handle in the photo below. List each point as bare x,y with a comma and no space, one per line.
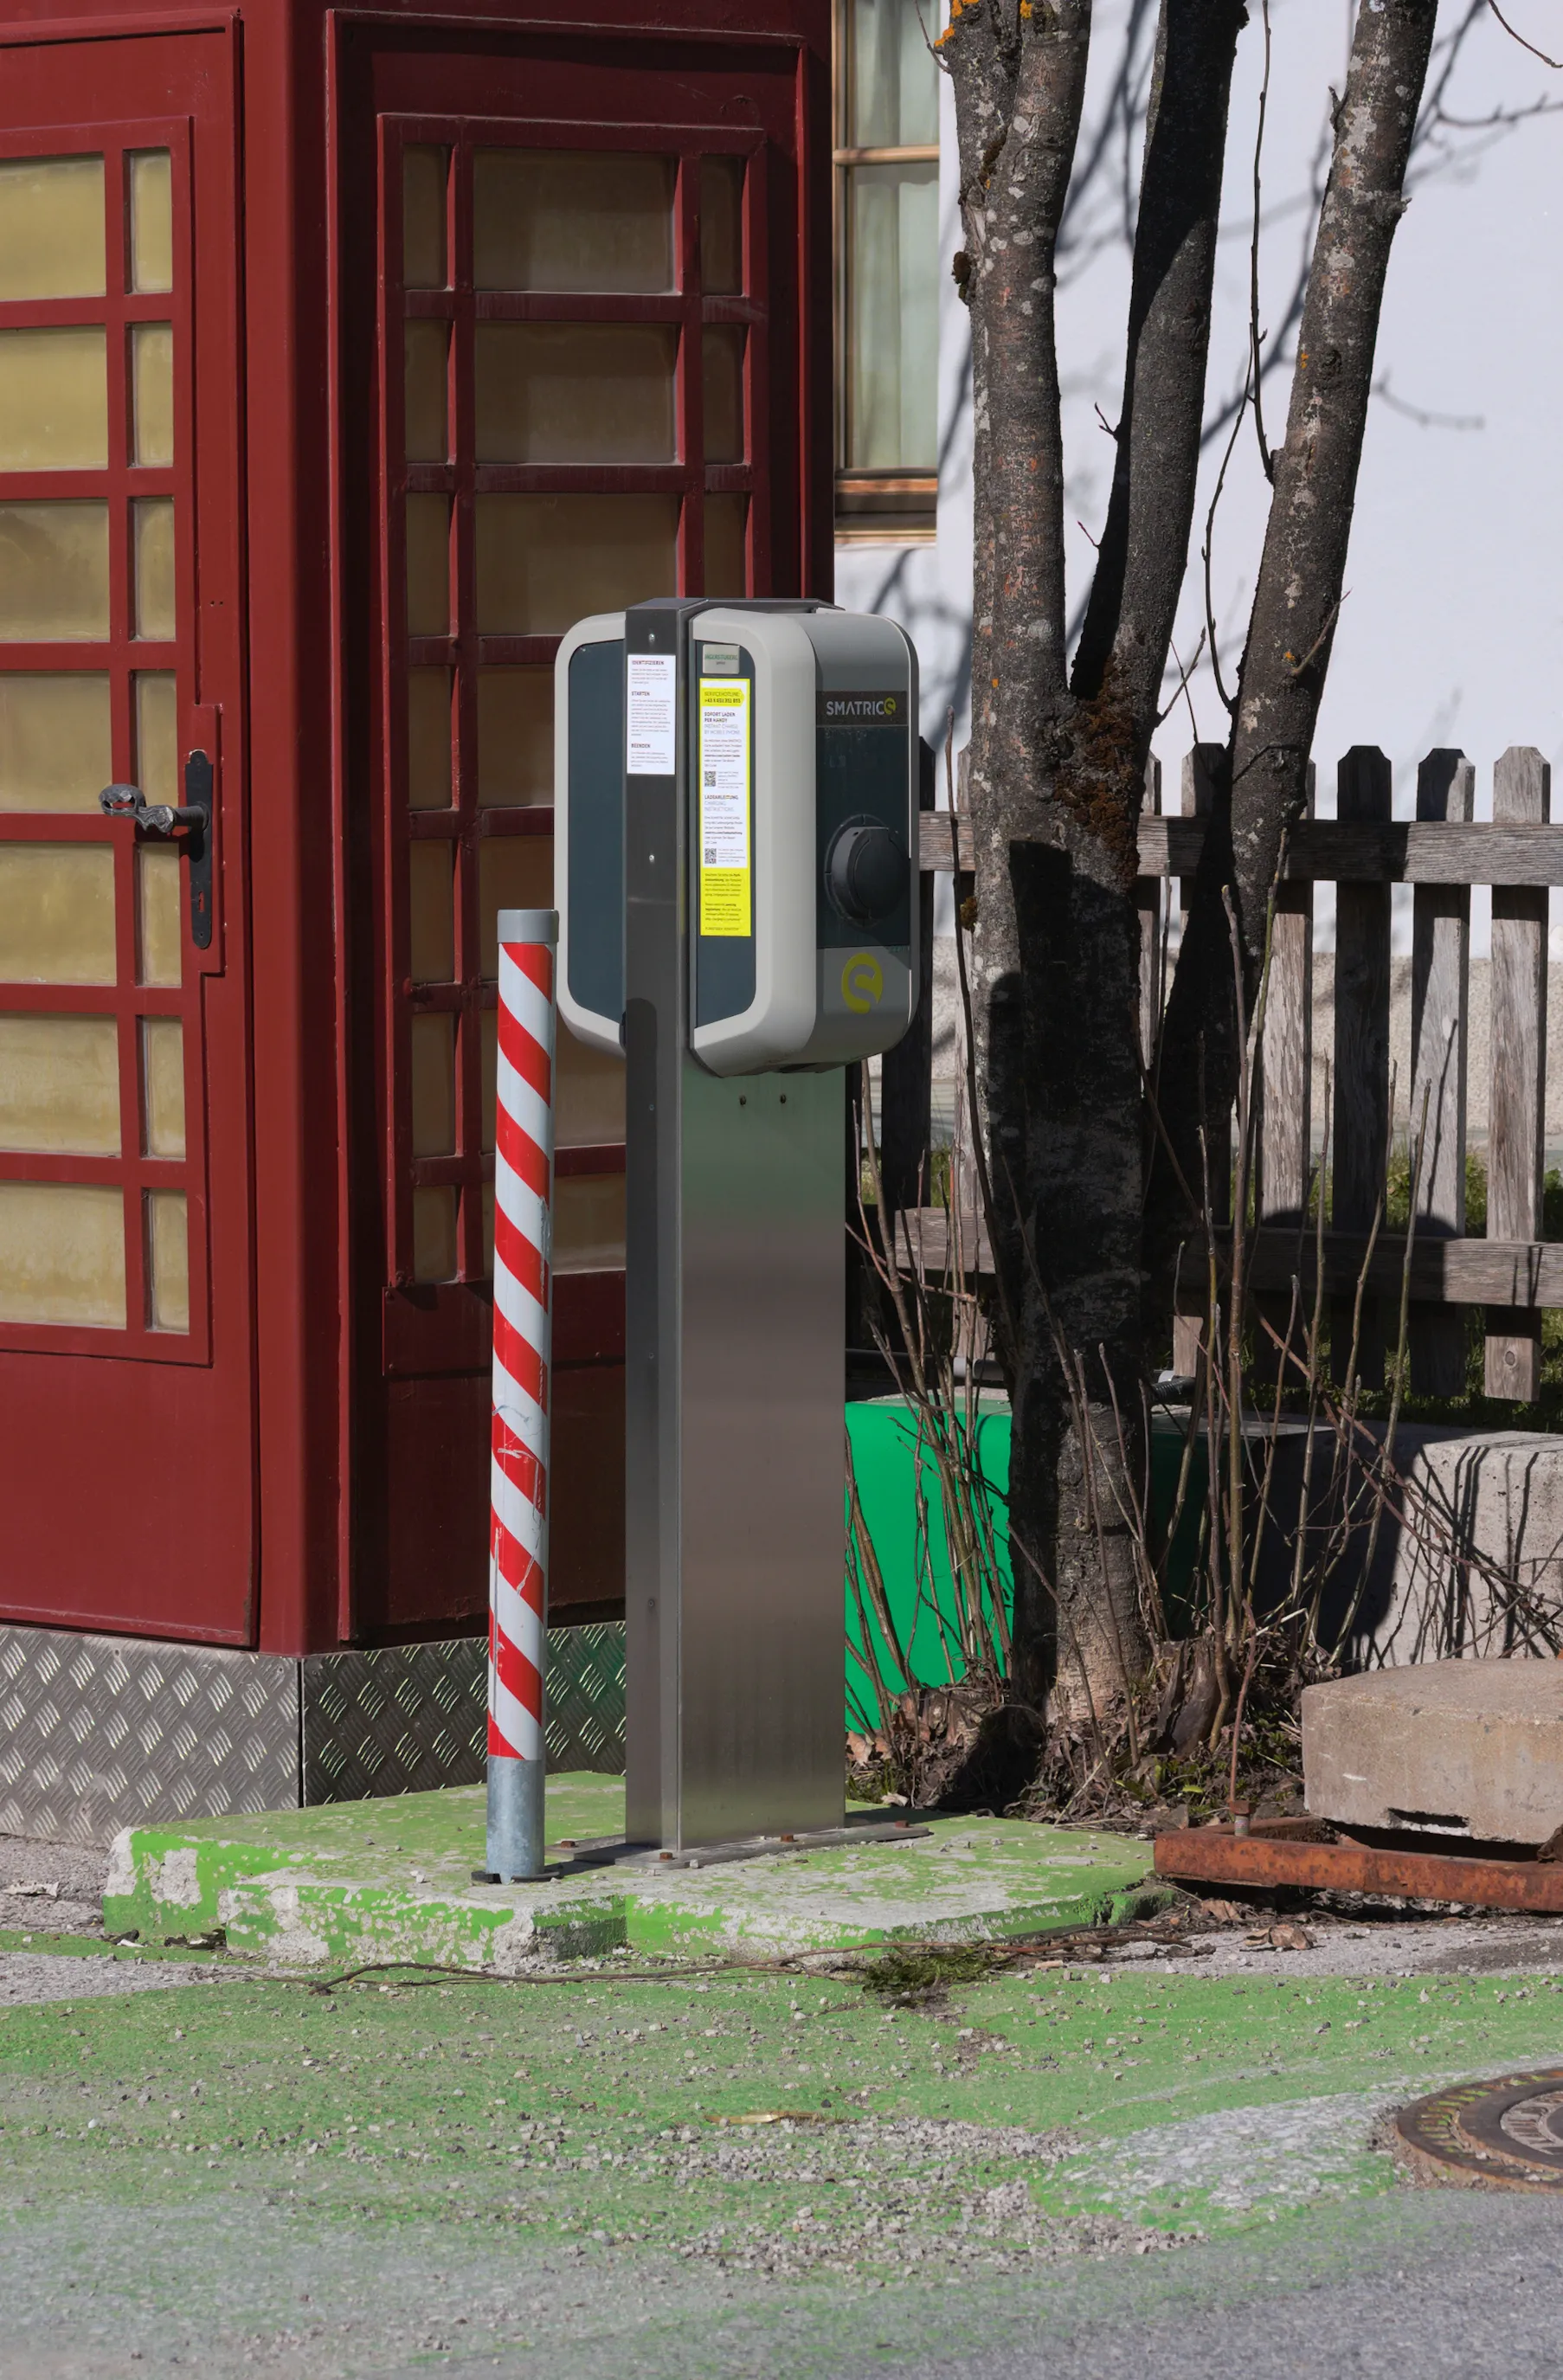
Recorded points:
157,818
193,820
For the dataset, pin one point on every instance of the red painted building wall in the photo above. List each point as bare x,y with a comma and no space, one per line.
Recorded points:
416,336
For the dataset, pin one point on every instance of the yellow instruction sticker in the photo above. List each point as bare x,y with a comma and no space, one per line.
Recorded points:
725,902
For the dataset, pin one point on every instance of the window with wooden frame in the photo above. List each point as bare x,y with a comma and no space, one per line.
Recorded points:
102,1203
573,362
887,269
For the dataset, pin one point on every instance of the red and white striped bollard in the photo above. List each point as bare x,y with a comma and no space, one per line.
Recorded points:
523,1357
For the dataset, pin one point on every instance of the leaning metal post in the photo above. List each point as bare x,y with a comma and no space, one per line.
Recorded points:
523,1355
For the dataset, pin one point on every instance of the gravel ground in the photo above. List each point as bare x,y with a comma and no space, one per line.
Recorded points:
1474,1945
58,1887
28,1977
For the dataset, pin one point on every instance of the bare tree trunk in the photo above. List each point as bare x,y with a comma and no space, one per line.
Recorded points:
1262,791
1055,777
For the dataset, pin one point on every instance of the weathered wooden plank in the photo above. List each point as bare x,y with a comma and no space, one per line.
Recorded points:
1148,901
1284,1147
906,1072
1397,851
1446,786
1359,1136
1197,792
1521,790
1470,1272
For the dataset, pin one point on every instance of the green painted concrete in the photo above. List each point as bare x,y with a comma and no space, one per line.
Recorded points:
393,1879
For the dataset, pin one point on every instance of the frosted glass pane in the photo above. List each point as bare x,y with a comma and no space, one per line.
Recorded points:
588,1222
722,226
56,913
62,1253
434,1235
544,562
562,218
59,1085
151,380
56,745
53,400
726,518
169,1260
160,919
163,1083
157,735
429,565
151,220
432,920
428,346
892,309
423,218
514,737
53,571
514,871
52,227
153,518
429,739
892,77
433,1085
588,1094
722,356
576,392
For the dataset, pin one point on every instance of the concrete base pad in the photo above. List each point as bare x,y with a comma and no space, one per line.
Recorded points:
392,1879
1453,1747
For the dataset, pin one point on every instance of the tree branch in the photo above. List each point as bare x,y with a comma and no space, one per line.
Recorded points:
1134,598
1557,64
1263,788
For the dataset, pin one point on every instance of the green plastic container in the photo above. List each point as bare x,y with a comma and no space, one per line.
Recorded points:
914,1559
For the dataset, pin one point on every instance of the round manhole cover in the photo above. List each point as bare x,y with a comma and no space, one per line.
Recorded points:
1507,2133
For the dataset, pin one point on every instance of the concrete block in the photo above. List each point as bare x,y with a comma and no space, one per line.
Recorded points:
1471,1748
1474,1573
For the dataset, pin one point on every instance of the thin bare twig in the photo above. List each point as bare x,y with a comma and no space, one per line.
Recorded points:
1555,63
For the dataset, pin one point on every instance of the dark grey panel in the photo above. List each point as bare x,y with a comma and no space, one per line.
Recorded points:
596,856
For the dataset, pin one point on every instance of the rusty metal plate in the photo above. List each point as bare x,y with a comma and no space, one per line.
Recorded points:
1498,2135
1214,1855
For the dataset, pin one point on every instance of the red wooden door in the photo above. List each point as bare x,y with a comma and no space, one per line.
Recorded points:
574,382
126,1440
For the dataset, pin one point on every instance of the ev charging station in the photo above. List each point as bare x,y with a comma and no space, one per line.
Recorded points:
736,799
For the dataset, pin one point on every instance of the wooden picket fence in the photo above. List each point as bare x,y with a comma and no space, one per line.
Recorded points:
1512,1273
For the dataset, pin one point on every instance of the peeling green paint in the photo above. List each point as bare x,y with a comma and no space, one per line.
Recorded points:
393,1879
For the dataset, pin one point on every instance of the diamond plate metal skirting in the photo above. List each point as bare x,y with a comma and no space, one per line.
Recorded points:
100,1732
400,1719
585,1699
97,1732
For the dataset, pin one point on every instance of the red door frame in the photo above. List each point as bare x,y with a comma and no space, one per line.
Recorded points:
406,77
163,1540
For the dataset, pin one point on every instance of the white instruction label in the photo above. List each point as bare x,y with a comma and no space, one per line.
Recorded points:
651,724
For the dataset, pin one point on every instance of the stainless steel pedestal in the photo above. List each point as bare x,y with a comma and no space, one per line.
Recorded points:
733,1396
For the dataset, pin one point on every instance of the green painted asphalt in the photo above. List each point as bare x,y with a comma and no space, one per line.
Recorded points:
393,1879
569,2108
403,2173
